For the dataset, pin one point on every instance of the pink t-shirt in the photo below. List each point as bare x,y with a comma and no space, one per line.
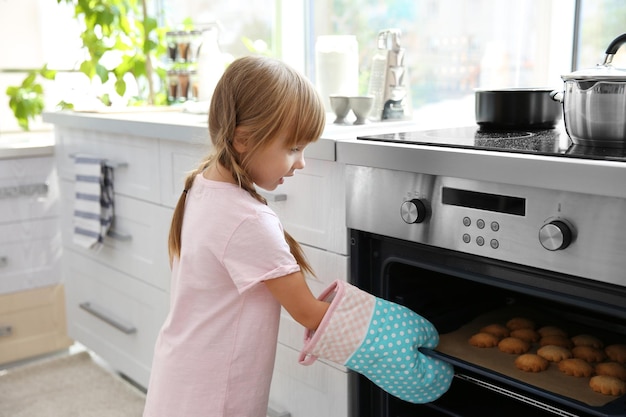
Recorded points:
215,353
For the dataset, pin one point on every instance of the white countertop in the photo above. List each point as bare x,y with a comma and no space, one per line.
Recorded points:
176,125
26,144
338,143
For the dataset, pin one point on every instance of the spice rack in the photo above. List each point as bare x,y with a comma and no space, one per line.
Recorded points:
183,48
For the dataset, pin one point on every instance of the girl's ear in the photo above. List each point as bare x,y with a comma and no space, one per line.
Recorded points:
239,141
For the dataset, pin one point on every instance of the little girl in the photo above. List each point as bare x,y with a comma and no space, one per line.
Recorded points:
233,266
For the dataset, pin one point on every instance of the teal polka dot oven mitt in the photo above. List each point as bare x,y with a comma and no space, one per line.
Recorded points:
379,339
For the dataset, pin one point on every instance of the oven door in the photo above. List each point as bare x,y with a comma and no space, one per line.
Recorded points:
460,293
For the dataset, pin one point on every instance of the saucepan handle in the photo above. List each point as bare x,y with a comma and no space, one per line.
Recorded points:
613,47
557,95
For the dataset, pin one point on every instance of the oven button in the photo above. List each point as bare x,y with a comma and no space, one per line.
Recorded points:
413,211
480,240
555,235
480,223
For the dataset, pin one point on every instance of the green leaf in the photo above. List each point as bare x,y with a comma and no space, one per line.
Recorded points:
102,72
120,86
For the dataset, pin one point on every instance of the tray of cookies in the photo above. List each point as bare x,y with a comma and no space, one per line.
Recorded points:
539,353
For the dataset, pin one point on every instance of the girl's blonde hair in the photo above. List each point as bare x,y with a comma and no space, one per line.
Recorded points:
262,98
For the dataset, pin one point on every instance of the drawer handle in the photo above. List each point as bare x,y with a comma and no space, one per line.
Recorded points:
6,331
23,190
273,197
107,318
4,261
273,412
123,237
108,162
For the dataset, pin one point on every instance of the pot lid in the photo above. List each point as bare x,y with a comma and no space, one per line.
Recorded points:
598,73
604,71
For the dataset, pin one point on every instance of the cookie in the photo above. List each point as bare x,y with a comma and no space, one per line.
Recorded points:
613,369
520,323
554,353
587,340
513,345
588,353
616,353
497,330
575,367
552,331
556,340
526,334
530,362
608,385
484,340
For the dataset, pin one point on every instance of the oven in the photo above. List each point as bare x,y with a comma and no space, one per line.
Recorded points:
469,236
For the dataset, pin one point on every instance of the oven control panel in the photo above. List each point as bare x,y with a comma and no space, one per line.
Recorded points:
565,232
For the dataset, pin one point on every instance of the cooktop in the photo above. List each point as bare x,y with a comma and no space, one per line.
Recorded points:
549,142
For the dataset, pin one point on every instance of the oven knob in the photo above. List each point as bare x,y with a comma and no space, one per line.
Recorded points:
413,211
555,235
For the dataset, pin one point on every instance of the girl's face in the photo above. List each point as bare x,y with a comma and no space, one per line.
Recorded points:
269,166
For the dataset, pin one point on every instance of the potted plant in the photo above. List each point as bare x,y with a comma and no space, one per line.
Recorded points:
118,31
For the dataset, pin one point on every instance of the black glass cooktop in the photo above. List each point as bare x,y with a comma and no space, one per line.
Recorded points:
550,142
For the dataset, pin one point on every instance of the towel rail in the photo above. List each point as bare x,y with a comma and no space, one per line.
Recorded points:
111,163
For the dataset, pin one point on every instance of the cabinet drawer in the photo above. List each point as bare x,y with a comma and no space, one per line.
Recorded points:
137,244
32,323
308,391
30,255
311,205
114,314
177,160
28,189
136,160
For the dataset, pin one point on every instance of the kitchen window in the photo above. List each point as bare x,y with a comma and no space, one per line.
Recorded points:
453,46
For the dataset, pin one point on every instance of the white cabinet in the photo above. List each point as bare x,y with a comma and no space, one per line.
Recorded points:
311,206
118,295
32,311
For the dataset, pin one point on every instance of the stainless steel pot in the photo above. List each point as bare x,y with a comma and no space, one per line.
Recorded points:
594,103
516,108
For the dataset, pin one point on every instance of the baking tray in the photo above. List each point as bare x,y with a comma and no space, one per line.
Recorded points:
551,385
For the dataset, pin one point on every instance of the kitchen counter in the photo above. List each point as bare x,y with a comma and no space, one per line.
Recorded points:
27,144
339,143
588,176
176,125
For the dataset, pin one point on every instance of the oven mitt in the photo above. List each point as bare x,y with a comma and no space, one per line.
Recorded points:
378,339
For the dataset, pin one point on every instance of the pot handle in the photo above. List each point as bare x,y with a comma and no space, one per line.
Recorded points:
613,47
557,96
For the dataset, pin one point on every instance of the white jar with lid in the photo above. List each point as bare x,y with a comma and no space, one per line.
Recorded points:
210,64
336,66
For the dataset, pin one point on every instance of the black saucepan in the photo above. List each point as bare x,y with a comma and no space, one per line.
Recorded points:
517,108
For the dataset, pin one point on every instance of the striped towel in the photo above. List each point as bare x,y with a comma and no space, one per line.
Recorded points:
93,201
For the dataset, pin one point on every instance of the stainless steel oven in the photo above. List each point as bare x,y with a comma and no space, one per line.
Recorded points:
468,236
